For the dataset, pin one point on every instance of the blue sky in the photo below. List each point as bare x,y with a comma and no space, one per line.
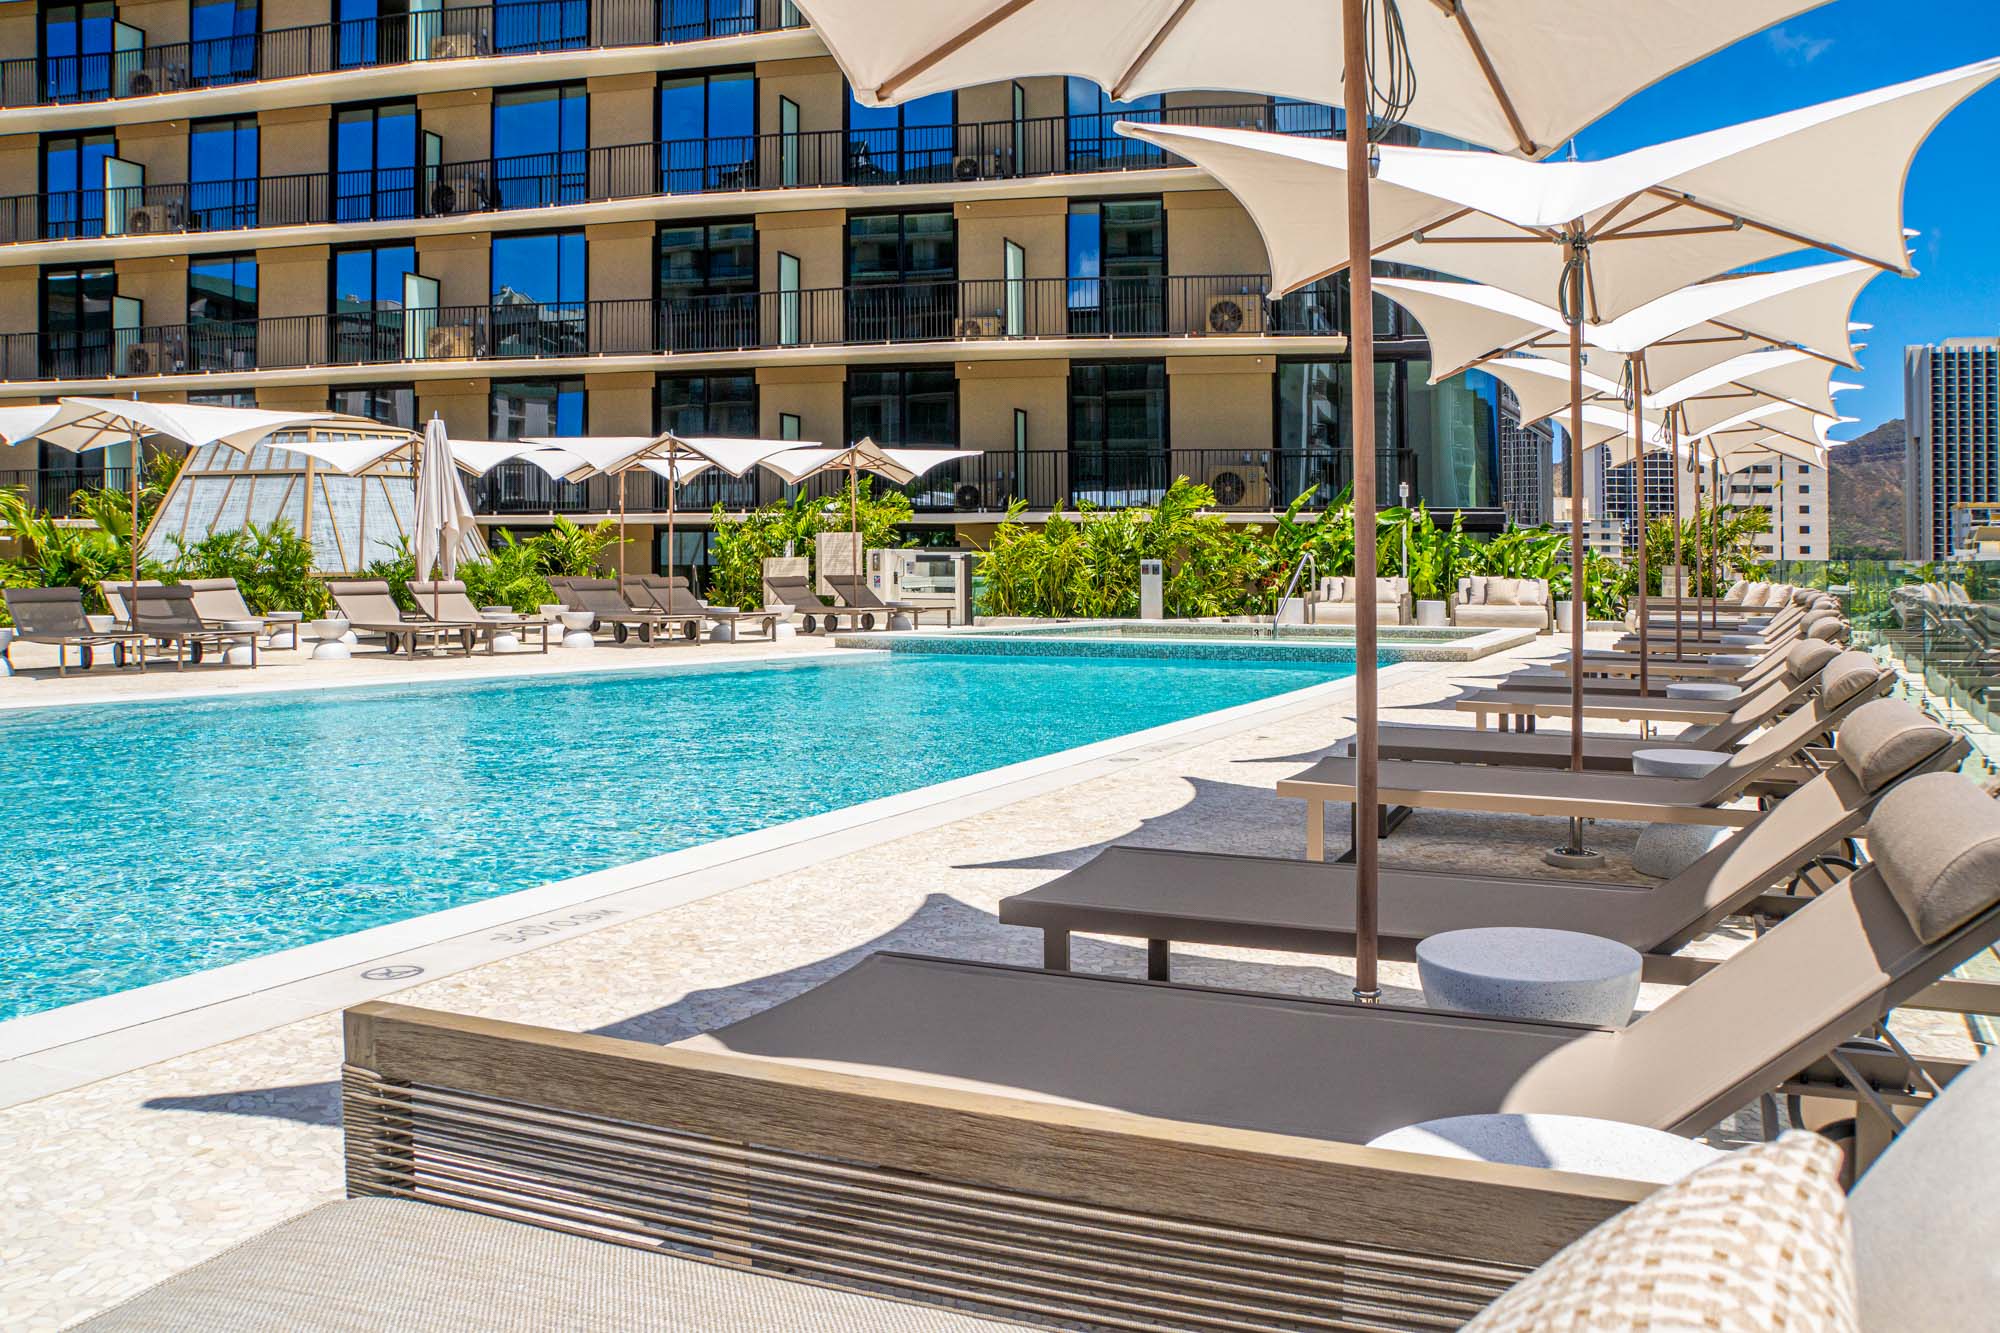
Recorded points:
1953,195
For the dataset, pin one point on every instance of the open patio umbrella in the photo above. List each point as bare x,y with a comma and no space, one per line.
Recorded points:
677,458
1480,70
899,465
1607,237
83,424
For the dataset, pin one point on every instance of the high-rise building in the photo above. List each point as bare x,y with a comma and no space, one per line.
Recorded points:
1796,495
1527,483
570,218
1951,398
1620,499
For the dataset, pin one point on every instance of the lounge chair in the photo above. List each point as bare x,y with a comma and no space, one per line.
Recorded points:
219,601
860,597
165,614
1346,1072
602,599
55,616
810,611
446,602
113,592
672,596
1835,691
369,607
1748,675
1267,902
1560,793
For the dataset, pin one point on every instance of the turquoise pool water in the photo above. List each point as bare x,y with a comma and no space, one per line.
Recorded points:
148,841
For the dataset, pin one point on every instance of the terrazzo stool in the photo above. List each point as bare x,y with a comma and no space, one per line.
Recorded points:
504,640
242,652
1524,972
1558,1142
285,624
6,638
332,636
1664,850
1702,689
784,629
578,624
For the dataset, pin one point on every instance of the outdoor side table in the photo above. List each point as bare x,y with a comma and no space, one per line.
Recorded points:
1525,972
1558,1142
578,624
332,635
284,623
1702,689
6,639
1664,850
243,651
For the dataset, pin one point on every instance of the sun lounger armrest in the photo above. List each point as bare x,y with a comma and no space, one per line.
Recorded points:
761,1161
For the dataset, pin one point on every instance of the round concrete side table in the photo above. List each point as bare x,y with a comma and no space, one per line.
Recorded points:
1523,972
1558,1142
6,638
578,624
504,640
1664,850
1677,763
332,635
285,623
242,652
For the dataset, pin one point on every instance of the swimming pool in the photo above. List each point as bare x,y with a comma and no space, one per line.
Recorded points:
148,841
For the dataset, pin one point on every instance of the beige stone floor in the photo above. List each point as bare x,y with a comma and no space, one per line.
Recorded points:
107,1188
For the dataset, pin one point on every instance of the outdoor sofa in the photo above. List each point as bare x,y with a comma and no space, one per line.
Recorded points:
1335,598
1485,602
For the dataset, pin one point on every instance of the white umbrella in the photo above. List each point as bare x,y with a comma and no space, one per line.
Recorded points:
443,513
677,458
82,424
901,466
1518,77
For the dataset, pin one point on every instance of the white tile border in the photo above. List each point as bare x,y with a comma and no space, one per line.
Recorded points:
80,1043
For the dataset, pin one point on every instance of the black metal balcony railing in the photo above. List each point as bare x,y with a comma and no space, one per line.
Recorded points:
51,489
971,310
1244,480
510,27
1000,149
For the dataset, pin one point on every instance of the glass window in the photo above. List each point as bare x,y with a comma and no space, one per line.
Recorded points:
76,50
537,407
537,25
390,404
223,35
73,183
902,275
898,145
1117,266
1453,439
711,405
541,138
76,319
708,128
692,20
915,406
225,398
367,321
222,172
1093,144
1118,431
538,294
222,312
708,285
1315,433
375,161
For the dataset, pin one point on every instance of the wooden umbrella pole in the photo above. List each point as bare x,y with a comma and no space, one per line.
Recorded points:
621,532
854,532
1577,594
1639,466
1680,569
132,484
673,508
1361,356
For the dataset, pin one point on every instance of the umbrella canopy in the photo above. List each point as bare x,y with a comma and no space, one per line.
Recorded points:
901,466
1521,78
444,514
1654,219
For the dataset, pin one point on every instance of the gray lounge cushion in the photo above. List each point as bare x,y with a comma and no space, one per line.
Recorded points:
368,1265
1846,676
1884,739
1925,1213
1936,842
1806,660
1825,627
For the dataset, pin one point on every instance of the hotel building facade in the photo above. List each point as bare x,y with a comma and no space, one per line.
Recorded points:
618,216
1951,465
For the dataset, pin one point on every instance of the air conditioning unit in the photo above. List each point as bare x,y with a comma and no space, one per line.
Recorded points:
145,82
1240,485
455,46
147,219
1238,312
980,326
966,497
454,196
449,342
967,167
151,356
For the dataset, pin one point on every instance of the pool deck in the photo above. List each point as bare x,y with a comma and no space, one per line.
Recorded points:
118,1182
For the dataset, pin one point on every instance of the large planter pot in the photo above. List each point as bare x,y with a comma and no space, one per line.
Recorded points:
1564,610
1431,612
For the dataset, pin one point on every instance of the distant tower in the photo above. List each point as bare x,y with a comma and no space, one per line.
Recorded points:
1951,401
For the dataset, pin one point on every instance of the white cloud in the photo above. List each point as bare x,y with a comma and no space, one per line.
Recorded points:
1798,48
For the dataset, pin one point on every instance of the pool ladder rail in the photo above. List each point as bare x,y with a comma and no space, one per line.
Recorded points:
1309,612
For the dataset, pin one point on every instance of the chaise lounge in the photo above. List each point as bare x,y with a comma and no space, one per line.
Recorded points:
55,616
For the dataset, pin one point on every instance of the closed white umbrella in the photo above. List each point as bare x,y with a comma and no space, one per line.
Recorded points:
1519,77
899,465
443,513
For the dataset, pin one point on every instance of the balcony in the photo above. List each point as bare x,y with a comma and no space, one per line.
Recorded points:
919,155
1244,481
512,27
961,311
51,489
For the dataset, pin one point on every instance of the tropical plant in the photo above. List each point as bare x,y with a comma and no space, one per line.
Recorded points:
568,550
512,572
272,566
740,544
53,554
